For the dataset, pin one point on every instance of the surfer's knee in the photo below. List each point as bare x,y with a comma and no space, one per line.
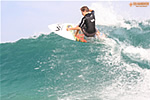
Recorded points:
79,29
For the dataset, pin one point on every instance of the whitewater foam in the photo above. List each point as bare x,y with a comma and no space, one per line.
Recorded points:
138,53
106,14
131,81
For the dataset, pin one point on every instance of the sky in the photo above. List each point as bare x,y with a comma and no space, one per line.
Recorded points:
26,18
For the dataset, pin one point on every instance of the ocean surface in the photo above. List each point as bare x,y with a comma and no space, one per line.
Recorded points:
50,67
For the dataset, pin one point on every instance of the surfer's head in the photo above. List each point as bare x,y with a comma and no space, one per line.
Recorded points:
84,10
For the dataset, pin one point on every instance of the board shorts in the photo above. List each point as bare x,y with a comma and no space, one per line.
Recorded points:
81,38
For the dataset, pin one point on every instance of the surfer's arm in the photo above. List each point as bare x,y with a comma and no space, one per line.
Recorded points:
73,28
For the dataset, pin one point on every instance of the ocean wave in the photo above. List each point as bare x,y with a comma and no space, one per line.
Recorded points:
46,66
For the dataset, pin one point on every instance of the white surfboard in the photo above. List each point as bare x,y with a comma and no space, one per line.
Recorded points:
60,29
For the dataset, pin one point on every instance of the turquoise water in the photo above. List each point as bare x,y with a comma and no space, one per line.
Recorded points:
50,67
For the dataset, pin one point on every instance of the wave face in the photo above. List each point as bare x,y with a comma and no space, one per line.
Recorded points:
50,67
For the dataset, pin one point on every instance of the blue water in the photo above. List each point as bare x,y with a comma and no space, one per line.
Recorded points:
50,67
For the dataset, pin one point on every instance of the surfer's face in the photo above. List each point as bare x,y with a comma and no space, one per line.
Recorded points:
83,12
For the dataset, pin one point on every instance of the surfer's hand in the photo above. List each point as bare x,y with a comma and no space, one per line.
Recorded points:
68,29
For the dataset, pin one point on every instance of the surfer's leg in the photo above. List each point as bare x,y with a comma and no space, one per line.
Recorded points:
98,33
77,32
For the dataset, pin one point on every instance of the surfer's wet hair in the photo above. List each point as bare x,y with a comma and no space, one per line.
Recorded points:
85,8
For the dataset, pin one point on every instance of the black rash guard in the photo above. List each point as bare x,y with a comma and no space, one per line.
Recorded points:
88,24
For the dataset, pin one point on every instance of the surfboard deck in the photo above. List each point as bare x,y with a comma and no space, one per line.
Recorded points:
60,29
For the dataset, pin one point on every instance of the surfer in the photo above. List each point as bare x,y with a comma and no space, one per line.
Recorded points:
87,24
